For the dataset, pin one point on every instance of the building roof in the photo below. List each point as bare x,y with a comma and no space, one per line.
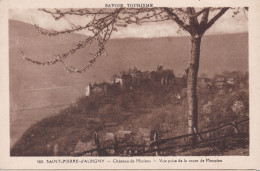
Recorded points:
221,79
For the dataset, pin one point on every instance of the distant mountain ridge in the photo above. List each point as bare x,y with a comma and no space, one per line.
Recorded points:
218,53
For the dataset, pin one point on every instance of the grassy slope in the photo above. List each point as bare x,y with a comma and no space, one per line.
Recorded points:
130,110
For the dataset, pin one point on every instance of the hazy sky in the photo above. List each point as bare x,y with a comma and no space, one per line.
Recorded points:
227,24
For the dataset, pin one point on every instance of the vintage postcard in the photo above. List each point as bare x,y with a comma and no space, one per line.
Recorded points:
130,85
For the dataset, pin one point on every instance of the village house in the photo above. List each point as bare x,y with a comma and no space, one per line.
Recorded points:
124,80
231,81
97,88
136,78
220,82
162,77
118,80
167,77
205,82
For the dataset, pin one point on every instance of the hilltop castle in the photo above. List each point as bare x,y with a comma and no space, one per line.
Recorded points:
133,79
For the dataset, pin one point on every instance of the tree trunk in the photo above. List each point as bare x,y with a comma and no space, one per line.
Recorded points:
192,87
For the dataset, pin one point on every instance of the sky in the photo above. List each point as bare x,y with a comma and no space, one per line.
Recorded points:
225,25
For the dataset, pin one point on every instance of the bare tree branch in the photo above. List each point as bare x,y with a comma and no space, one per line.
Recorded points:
194,24
57,14
178,21
215,18
205,16
80,45
91,26
101,23
204,20
200,12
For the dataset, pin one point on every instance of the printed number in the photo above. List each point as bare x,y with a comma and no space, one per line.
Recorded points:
39,161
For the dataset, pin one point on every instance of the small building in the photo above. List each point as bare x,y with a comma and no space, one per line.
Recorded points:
230,81
118,80
136,78
167,77
124,136
88,89
100,88
163,77
220,82
97,88
206,82
126,81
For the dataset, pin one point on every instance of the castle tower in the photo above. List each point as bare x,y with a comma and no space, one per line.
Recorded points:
89,89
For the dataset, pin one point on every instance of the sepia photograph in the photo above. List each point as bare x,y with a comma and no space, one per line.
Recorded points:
128,81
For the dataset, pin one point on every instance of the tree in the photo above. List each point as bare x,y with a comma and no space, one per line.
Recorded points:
101,23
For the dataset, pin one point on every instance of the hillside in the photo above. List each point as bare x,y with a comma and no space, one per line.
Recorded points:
142,110
38,87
